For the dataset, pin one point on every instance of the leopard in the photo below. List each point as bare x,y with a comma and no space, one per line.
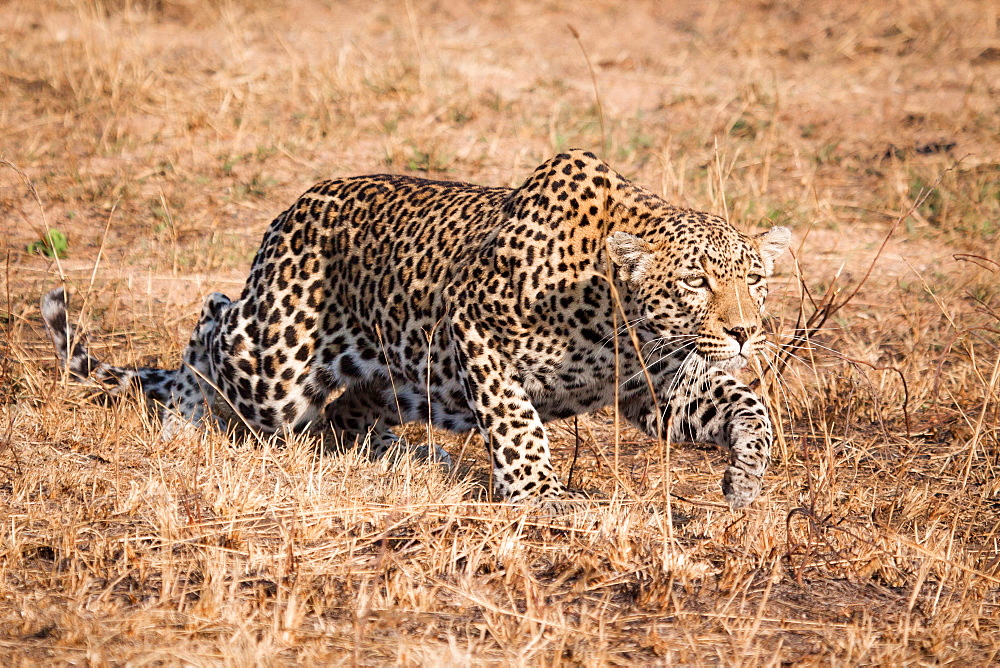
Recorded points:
378,300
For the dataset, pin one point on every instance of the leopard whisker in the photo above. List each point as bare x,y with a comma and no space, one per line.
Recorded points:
623,329
689,376
649,365
781,385
662,341
779,350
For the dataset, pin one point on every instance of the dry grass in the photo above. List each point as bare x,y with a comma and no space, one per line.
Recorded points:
162,135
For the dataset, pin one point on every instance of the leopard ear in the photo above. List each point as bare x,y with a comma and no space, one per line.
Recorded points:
772,244
631,254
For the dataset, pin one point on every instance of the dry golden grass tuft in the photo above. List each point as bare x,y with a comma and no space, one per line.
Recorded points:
162,135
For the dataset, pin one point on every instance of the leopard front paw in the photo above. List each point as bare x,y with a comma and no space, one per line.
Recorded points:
740,488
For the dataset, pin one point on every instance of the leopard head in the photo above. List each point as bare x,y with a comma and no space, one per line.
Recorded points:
699,283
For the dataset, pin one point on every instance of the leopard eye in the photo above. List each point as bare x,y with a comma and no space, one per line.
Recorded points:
754,279
695,282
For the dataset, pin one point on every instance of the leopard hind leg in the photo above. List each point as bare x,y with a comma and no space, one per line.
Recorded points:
365,413
196,383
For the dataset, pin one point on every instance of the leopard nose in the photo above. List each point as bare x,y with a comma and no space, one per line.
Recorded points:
741,334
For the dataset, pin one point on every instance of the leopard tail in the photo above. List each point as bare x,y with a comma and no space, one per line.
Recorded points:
112,381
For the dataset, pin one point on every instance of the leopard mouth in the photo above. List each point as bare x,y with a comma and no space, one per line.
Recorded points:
731,358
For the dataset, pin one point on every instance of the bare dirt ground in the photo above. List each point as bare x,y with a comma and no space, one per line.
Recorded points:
161,136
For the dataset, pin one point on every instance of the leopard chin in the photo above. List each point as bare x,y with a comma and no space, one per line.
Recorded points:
732,364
